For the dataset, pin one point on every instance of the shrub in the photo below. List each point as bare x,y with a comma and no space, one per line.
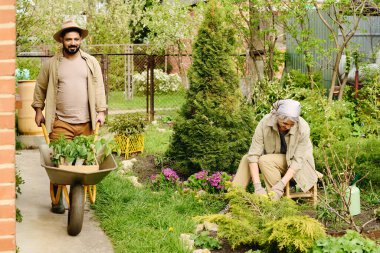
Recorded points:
214,183
163,83
359,153
264,94
214,127
329,122
248,216
351,242
292,234
29,67
204,240
167,179
128,124
367,107
297,79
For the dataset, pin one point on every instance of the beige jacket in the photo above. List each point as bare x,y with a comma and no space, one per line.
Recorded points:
299,155
45,92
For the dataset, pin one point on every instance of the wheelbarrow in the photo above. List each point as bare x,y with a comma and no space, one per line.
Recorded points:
81,179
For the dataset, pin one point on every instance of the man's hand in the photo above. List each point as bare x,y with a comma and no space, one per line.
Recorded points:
100,118
39,118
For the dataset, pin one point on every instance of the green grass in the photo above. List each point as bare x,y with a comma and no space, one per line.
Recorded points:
140,220
157,142
116,101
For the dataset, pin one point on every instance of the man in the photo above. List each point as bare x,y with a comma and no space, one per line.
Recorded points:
70,88
281,150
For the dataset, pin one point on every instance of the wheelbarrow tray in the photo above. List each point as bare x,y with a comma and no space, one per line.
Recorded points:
79,175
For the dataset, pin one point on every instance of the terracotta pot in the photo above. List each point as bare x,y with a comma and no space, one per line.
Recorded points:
26,124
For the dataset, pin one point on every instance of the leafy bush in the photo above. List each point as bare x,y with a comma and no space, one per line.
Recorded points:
30,67
367,107
215,183
297,79
204,240
127,124
360,153
351,242
248,216
167,179
329,122
163,83
264,94
214,127
292,234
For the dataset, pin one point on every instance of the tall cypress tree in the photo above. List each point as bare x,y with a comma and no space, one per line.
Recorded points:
215,127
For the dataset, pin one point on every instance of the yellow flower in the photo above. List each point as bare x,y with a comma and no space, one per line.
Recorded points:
171,229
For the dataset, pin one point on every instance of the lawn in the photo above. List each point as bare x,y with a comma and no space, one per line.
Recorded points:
117,101
139,220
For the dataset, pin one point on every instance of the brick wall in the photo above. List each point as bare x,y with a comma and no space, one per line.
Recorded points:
7,125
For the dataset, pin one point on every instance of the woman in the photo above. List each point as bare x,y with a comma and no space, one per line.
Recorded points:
281,150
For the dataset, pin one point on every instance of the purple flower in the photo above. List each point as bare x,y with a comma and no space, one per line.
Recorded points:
170,174
201,174
215,179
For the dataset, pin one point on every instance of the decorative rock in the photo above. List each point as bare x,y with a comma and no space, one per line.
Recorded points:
187,242
199,228
127,165
133,160
211,226
202,251
121,172
134,181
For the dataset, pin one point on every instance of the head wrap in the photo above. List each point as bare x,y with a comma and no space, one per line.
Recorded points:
287,107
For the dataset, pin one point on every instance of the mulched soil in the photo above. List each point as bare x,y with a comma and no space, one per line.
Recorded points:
145,167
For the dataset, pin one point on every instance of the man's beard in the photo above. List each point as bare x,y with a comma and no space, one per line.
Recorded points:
71,49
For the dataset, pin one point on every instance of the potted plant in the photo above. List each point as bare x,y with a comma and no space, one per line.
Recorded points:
129,132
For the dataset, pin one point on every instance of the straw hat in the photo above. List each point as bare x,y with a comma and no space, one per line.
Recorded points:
67,25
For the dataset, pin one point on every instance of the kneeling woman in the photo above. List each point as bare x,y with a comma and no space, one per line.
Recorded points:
281,150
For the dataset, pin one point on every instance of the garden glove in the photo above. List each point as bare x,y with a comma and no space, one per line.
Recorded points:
278,190
259,189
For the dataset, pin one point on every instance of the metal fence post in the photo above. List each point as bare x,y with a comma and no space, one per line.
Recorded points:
147,86
104,62
151,88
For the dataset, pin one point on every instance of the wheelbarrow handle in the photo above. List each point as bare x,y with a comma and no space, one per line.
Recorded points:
96,132
45,133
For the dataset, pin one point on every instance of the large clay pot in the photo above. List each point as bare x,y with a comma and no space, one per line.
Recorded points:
26,124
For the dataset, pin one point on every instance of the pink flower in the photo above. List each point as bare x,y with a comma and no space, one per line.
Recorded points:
170,174
215,179
201,174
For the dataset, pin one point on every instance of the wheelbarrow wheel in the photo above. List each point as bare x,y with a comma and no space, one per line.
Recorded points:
76,211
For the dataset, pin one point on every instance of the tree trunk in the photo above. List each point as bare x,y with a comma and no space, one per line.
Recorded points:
343,85
335,74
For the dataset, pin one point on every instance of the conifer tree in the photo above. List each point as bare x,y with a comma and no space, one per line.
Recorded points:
215,127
